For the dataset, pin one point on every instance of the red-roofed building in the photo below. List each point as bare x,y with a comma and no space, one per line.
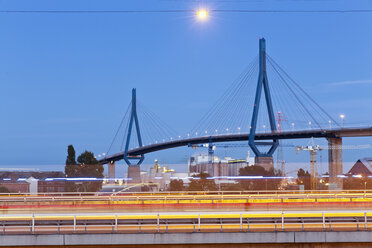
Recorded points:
362,167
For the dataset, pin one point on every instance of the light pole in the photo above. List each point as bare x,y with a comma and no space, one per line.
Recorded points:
342,116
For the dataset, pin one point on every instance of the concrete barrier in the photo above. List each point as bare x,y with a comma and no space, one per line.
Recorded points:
187,238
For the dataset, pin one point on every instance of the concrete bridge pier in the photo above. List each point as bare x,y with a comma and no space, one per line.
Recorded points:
111,171
266,162
134,172
335,163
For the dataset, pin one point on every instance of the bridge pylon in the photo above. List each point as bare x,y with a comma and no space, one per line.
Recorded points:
264,159
133,168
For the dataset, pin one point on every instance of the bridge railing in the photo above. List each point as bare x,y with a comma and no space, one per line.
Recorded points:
183,193
194,222
162,201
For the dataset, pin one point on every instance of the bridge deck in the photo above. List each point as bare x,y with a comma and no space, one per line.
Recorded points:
333,133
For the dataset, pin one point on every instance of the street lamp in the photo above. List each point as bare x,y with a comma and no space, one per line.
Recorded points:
342,116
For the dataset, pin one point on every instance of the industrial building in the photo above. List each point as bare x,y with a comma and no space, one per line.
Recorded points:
218,167
31,181
162,175
362,167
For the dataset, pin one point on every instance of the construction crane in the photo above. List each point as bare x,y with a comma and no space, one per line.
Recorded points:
313,150
211,148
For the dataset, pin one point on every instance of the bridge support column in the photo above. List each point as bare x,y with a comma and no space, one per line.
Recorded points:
111,172
266,162
335,163
134,172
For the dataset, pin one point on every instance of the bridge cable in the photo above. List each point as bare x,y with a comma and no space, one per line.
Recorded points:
303,91
295,95
119,128
218,111
222,99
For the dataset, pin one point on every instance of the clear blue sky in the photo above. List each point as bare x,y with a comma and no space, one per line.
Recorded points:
67,78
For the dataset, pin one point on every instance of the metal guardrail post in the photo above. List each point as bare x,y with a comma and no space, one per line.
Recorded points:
365,221
33,224
323,220
282,221
303,225
116,223
74,223
199,222
158,223
241,222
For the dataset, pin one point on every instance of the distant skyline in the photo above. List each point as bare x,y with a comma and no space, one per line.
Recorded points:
67,78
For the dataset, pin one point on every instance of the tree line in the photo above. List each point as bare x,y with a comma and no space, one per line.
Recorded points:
86,165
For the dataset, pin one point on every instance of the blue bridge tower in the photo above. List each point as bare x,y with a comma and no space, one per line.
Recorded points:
264,159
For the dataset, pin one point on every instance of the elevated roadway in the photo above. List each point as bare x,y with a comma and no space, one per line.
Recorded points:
186,222
164,202
334,137
316,133
204,229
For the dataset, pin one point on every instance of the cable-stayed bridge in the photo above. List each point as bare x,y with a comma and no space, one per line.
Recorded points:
250,110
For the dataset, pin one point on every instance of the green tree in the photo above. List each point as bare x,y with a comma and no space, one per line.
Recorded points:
304,177
71,169
260,184
86,166
176,185
71,155
202,184
360,183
